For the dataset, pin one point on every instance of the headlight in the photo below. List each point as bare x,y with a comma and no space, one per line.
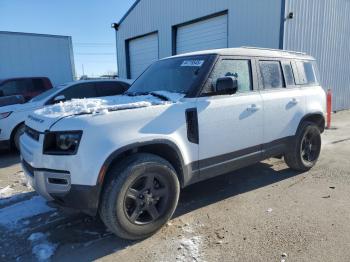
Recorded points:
62,143
4,115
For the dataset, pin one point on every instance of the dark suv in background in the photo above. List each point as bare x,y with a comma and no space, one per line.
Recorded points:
20,90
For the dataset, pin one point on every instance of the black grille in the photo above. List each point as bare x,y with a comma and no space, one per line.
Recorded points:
28,168
32,133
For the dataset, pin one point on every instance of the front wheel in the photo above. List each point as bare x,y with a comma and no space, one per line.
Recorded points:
141,196
306,148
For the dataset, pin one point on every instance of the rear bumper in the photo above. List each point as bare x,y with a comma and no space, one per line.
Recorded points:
55,185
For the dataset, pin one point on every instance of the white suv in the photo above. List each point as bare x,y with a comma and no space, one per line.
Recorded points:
185,119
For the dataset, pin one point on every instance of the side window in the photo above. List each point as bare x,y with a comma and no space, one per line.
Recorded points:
38,85
110,88
240,69
271,74
288,74
306,72
80,91
9,88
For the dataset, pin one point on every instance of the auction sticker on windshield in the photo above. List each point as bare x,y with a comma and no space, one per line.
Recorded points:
197,63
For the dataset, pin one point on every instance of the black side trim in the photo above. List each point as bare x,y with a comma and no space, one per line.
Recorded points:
222,164
192,125
205,163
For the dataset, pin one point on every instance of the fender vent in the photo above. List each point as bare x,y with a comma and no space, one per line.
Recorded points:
192,125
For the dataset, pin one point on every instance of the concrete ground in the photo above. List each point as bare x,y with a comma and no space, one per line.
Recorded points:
265,212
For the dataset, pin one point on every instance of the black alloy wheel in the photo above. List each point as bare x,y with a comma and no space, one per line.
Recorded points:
310,146
146,199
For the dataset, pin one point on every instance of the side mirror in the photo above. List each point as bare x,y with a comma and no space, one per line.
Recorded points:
60,98
227,85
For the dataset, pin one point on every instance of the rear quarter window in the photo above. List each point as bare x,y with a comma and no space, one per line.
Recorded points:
307,73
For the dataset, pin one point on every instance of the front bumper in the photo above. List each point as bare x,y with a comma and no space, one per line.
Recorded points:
55,185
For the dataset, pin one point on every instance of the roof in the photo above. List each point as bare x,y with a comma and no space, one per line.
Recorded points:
128,12
128,81
33,34
252,51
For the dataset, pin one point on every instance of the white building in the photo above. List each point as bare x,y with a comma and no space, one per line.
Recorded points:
153,29
29,55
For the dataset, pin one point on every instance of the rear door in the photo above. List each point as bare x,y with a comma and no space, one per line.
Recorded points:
230,126
283,103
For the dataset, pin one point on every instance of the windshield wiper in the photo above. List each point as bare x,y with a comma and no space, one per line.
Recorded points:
162,97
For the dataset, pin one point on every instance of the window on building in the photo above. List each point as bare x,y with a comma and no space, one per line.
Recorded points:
271,74
240,69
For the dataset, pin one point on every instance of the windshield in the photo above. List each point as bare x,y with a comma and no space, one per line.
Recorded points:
173,75
47,93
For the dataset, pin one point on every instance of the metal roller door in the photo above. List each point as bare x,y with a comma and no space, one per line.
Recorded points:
210,33
142,52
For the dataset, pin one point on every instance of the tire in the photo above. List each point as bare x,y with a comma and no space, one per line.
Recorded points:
19,131
305,148
140,197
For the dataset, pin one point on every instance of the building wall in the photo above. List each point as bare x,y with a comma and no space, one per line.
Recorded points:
322,28
23,54
251,22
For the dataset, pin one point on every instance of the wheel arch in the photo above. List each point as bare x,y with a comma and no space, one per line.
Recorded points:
163,148
14,132
317,118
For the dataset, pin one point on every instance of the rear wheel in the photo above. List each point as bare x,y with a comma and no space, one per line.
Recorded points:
141,196
306,147
19,131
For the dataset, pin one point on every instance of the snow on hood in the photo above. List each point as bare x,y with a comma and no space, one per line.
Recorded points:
105,104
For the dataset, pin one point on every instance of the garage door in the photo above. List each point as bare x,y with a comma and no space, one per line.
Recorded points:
142,52
207,34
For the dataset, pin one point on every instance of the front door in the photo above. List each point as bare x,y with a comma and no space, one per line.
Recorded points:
230,126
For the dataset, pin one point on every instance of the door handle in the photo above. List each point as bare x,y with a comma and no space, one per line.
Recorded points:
253,108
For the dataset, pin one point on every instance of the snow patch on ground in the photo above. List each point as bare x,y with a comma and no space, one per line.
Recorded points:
105,104
42,249
6,192
190,249
11,215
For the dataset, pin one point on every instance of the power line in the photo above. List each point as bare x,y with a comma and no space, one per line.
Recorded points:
94,44
95,54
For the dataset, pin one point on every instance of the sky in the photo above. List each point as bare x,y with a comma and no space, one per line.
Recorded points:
87,21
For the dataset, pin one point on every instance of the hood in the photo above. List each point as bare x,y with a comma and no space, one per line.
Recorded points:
20,107
42,119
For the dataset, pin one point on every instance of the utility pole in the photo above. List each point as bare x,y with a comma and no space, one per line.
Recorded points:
82,67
